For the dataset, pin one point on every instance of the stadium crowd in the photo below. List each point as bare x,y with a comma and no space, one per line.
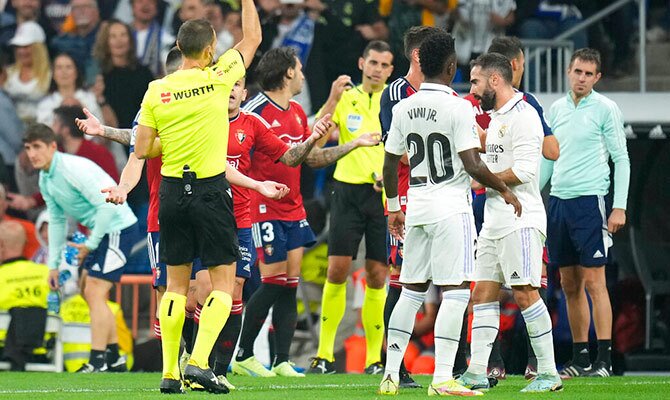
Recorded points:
318,90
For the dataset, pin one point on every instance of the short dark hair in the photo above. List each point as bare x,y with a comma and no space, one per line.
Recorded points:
194,36
41,132
273,66
508,46
172,59
67,114
414,36
587,54
435,52
379,46
494,62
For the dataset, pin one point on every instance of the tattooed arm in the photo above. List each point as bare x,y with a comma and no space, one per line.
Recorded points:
92,126
319,158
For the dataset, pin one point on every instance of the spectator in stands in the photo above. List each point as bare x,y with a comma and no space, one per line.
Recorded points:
71,140
153,42
23,11
545,19
348,27
41,256
79,43
125,79
28,79
405,14
24,293
67,84
55,13
11,127
190,9
32,245
218,15
477,23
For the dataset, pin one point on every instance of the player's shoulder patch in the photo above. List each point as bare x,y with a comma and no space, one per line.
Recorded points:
256,117
398,89
256,104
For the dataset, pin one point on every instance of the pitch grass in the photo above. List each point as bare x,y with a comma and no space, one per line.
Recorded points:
132,386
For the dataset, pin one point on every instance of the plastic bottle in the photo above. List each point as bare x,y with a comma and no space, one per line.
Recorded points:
53,301
71,252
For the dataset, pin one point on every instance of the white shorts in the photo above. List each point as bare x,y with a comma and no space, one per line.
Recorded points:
514,260
442,252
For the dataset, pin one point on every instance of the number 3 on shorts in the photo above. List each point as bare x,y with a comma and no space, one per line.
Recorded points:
268,232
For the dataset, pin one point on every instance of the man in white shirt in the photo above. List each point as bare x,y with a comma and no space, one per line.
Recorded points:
509,248
437,129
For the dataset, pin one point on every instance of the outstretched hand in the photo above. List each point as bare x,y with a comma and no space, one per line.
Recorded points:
368,139
91,125
115,194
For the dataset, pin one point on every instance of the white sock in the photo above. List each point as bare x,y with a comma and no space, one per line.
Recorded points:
485,323
400,329
538,324
448,327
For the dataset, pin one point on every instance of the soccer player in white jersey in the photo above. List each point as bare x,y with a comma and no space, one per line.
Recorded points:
437,130
509,248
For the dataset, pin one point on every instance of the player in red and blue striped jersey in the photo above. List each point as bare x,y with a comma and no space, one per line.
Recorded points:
280,227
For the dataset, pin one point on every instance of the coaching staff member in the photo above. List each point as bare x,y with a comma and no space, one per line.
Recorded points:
189,109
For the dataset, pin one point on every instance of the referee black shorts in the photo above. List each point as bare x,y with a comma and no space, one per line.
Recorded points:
357,210
200,225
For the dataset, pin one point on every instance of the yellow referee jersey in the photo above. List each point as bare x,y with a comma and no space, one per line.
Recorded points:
357,113
23,283
189,110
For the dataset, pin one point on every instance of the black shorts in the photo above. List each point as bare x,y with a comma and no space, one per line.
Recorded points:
199,225
356,210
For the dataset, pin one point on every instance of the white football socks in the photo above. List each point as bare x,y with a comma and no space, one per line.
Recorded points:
485,325
539,327
400,329
448,327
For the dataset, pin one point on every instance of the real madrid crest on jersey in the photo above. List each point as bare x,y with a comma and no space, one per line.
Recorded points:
502,131
240,135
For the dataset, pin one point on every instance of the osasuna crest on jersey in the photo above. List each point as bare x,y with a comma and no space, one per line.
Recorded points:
240,135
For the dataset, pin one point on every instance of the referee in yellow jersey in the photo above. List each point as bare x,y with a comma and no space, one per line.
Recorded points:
188,110
357,209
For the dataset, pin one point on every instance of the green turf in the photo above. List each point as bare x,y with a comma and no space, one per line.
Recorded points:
348,387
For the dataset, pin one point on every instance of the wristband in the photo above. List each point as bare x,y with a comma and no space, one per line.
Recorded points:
393,204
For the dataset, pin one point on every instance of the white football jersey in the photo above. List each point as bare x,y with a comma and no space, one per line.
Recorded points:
433,126
514,140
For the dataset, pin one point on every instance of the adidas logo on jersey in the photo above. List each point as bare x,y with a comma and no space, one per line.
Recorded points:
515,275
275,124
598,254
395,347
96,267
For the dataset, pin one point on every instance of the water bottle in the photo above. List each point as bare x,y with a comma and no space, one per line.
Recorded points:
63,276
72,252
53,301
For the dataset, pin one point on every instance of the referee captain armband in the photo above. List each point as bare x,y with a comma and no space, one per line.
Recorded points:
393,204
